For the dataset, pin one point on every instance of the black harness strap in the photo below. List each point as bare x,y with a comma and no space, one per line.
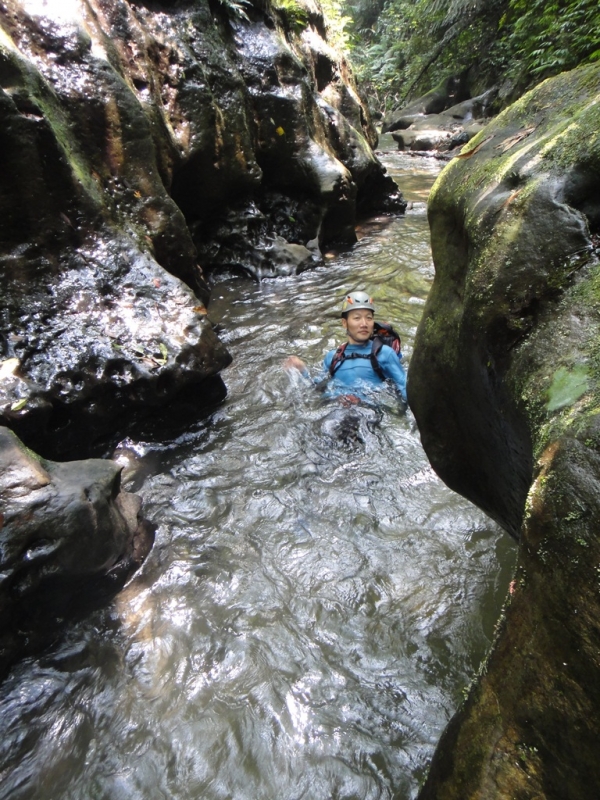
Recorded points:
340,356
375,348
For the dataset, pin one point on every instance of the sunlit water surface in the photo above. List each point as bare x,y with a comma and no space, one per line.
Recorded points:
312,610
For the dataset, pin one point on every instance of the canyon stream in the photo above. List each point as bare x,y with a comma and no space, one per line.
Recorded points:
314,607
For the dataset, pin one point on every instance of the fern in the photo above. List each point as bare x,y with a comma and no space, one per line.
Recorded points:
409,46
296,13
235,8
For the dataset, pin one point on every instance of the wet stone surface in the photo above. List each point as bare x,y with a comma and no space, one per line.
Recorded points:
69,539
143,149
505,385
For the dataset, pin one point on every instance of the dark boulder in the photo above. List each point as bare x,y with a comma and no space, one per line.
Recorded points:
96,334
448,93
505,387
474,108
446,130
461,137
424,138
69,539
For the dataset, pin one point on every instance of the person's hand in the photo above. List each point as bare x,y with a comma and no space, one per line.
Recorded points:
348,400
293,362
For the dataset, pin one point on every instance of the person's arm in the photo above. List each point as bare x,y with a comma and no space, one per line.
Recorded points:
393,369
321,380
293,362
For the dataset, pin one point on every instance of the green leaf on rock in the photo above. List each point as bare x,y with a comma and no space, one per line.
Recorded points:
19,404
567,387
164,353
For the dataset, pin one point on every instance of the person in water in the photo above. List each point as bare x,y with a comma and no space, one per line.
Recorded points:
354,374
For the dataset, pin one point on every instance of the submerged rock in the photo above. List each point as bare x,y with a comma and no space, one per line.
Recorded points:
505,387
69,538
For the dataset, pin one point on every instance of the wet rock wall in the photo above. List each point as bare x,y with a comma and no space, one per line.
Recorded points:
146,146
505,387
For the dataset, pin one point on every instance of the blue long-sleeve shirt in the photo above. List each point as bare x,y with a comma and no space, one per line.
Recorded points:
356,374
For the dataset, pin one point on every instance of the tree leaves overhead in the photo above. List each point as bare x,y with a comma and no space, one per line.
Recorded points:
462,11
403,48
396,50
364,13
549,37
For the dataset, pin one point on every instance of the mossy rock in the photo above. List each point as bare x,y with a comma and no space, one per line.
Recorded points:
504,384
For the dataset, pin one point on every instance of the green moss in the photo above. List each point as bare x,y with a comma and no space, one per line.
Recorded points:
27,451
47,101
580,138
588,292
569,132
295,13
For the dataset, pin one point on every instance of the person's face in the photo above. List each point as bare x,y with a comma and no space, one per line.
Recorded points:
359,325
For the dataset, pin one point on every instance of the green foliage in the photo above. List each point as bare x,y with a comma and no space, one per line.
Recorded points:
295,13
235,8
567,387
381,50
395,52
336,22
548,37
403,48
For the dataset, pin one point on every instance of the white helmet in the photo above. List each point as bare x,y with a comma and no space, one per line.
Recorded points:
357,300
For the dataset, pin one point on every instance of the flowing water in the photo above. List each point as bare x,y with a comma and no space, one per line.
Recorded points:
313,608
